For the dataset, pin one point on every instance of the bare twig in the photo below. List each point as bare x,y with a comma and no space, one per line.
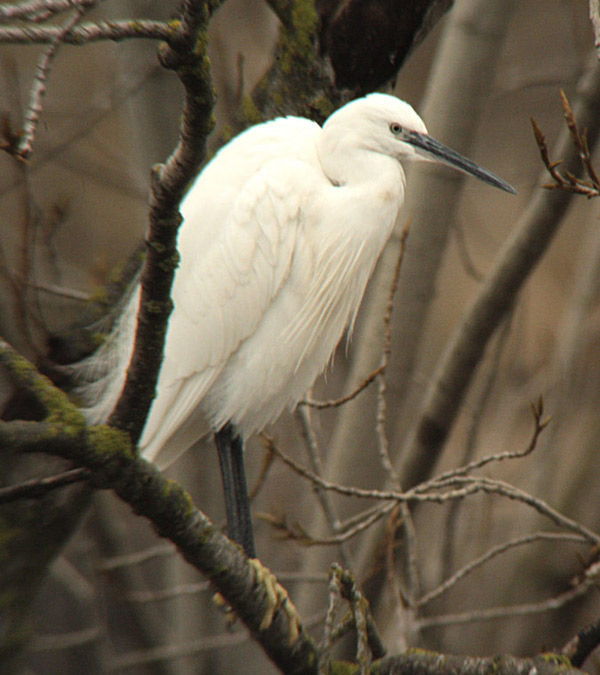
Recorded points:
492,553
490,486
384,454
87,33
457,487
450,538
296,533
170,652
493,613
267,463
60,291
34,489
302,415
38,91
136,558
336,402
162,594
540,423
57,641
40,10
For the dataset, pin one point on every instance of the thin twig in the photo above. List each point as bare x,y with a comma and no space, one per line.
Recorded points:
450,538
302,415
386,351
468,485
267,463
60,291
492,553
328,639
34,109
540,423
36,10
58,641
300,535
137,557
509,611
161,594
36,488
87,33
369,642
170,652
336,402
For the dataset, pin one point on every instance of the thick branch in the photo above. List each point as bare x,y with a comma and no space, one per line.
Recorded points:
107,454
420,662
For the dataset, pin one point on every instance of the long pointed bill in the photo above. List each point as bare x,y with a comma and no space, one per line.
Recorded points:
436,151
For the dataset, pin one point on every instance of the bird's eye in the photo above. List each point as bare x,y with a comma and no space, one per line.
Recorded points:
395,128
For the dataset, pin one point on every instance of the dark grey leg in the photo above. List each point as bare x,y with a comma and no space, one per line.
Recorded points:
231,456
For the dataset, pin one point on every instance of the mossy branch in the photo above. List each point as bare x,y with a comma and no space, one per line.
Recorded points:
108,454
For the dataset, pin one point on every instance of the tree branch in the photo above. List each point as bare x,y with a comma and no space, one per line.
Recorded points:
87,33
419,662
33,489
107,454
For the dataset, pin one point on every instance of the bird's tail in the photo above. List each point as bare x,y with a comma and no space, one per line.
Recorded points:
99,378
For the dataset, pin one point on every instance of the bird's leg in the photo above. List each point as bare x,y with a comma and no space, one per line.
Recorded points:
239,526
231,456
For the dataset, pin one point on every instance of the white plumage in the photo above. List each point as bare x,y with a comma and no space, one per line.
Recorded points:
281,232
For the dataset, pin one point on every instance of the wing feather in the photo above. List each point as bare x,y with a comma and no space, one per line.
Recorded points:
220,295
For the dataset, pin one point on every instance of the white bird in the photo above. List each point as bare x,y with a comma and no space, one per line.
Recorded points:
281,233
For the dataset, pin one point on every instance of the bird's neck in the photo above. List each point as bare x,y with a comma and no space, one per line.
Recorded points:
345,163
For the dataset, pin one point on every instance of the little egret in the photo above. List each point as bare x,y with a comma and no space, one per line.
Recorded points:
281,233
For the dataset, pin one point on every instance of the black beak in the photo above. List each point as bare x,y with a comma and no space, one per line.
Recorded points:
438,152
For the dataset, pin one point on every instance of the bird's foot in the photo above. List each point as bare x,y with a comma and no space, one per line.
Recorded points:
277,599
220,602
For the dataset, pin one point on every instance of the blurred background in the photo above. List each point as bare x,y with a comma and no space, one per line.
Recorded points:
77,211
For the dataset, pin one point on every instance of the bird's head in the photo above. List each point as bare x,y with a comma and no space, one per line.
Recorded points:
387,125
